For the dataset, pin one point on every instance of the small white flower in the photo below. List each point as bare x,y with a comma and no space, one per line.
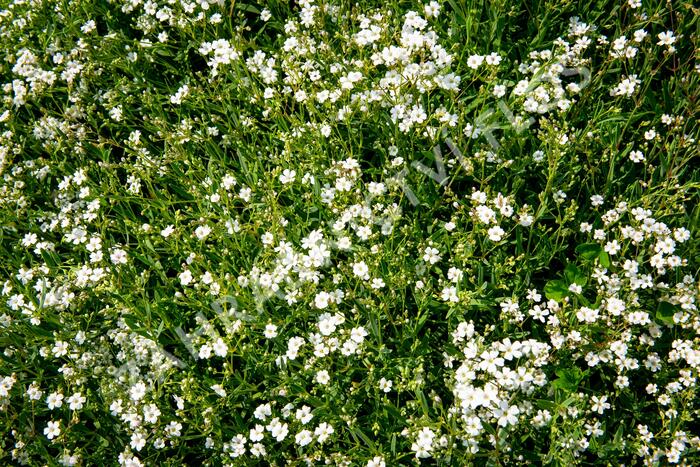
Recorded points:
599,404
475,61
612,247
267,238
220,348
322,377
137,391
361,270
76,401
493,59
54,400
118,256
666,38
385,384
52,430
431,255
202,232
180,95
303,438
499,90
496,233
636,156
185,277
166,232
270,331
287,176
597,200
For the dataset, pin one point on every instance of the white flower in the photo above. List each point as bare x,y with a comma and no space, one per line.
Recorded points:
499,90
507,415
202,232
52,430
151,412
475,61
323,432
432,10
287,176
118,256
220,348
270,331
431,255
321,300
304,415
33,392
219,390
385,384
166,232
76,401
455,274
55,400
173,429
666,38
639,35
185,277
600,404
267,238
326,326
526,220
361,270
303,438
449,294
615,306
612,247
262,412
322,377
278,430
493,59
137,391
265,15
681,234
496,234
636,156
180,94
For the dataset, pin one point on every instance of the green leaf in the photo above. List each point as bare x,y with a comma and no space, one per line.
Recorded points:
604,259
423,402
569,378
573,275
357,433
665,312
589,251
556,290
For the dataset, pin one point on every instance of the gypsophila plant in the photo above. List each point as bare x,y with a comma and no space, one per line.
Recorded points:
355,234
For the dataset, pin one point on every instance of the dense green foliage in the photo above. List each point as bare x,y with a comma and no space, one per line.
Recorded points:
349,233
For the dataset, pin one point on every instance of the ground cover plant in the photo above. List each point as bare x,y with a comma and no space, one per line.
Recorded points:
349,233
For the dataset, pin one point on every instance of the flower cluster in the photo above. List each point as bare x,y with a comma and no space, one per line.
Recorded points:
336,233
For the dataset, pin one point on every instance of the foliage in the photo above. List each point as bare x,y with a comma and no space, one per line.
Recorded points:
370,233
